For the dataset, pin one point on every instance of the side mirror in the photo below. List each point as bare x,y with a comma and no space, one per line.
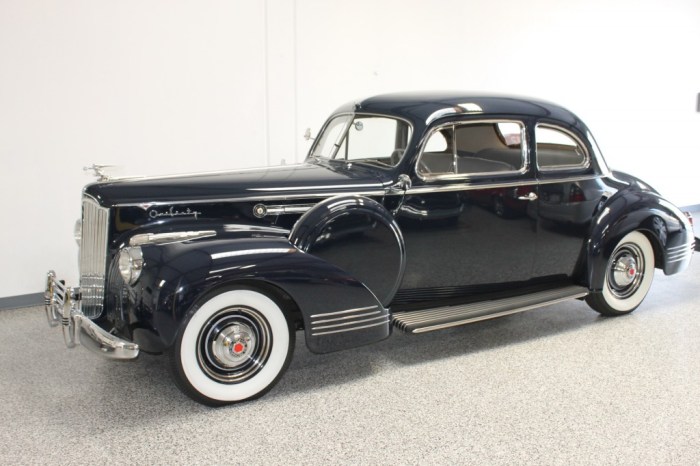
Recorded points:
307,135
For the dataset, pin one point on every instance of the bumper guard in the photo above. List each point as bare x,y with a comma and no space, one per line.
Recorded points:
62,305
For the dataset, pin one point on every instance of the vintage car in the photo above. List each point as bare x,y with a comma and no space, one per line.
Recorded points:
414,211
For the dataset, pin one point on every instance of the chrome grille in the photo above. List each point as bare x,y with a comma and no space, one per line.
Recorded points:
93,256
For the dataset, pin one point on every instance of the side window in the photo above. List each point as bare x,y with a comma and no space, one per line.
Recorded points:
479,148
558,149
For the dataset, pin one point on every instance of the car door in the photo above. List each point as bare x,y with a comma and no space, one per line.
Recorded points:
469,219
569,194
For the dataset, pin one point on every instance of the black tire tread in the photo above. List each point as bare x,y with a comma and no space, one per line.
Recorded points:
596,301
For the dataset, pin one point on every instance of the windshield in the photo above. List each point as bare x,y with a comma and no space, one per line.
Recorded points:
365,138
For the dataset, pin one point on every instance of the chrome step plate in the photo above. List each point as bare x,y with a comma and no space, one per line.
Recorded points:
427,320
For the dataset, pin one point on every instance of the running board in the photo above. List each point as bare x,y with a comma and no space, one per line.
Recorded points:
427,320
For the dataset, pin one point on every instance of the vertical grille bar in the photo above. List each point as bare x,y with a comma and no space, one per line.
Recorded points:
93,253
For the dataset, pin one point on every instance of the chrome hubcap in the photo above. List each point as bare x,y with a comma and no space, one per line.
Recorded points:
234,345
626,270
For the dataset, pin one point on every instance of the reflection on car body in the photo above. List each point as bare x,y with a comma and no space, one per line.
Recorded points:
417,212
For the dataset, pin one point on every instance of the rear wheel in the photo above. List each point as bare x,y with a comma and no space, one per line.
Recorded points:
628,276
233,348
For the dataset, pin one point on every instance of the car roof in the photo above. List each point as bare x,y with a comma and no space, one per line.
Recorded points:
422,108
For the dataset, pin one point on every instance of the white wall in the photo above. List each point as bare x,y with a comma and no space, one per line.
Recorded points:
172,86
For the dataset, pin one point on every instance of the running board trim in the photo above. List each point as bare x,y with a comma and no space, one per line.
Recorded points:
427,320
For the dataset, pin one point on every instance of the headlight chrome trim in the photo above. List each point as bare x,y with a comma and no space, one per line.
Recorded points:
130,264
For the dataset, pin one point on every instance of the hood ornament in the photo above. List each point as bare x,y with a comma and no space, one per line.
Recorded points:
98,171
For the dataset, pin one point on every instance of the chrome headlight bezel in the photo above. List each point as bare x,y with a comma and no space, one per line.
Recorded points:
130,264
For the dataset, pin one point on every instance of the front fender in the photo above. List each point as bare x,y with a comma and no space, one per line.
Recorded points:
359,235
177,276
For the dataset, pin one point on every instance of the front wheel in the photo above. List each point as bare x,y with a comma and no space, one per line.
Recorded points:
233,348
628,276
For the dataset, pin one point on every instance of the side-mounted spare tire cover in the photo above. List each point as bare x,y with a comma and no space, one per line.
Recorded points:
358,235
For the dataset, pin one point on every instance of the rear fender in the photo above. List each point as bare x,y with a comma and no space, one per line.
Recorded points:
633,209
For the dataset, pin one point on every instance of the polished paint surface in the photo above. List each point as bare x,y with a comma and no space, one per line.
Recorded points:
415,241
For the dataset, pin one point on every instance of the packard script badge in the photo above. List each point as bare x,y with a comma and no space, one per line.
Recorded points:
154,214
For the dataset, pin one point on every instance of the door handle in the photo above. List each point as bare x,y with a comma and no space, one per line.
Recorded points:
530,197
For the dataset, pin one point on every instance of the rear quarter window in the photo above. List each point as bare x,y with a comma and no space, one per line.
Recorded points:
558,149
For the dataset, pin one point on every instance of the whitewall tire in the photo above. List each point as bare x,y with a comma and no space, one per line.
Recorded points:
628,276
234,347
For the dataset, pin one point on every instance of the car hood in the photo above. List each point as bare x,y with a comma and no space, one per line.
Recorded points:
310,179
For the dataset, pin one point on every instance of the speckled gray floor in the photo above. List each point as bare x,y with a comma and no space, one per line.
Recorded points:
558,385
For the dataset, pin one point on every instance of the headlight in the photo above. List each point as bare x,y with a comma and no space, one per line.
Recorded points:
131,264
78,231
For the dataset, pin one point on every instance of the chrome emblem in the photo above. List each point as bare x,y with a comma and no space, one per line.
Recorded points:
154,214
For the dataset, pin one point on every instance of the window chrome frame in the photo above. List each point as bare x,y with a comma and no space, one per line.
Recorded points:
524,149
339,141
586,164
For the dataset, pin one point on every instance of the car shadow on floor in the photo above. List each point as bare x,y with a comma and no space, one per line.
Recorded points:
310,371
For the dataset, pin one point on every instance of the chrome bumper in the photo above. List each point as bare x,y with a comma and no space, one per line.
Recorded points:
62,305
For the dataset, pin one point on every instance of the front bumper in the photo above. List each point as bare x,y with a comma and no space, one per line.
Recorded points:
62,305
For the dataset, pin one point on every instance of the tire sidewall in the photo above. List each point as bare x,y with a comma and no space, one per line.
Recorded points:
630,303
185,354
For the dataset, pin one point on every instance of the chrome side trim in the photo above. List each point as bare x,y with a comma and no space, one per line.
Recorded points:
249,252
236,228
262,210
300,188
359,309
680,253
134,178
451,316
568,179
346,324
167,238
384,322
413,190
508,184
278,197
468,187
347,317
348,320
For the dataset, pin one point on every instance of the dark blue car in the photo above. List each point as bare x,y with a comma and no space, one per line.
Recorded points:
414,211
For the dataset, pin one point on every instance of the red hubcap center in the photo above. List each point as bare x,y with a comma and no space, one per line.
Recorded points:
632,272
238,348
